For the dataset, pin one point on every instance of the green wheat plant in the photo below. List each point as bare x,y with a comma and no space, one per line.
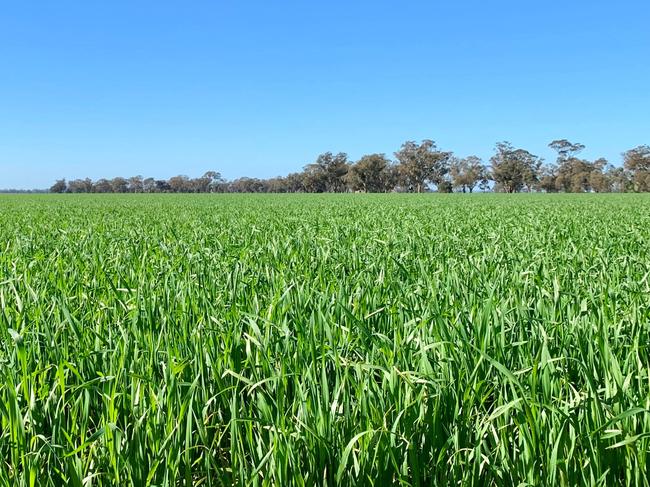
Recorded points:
299,340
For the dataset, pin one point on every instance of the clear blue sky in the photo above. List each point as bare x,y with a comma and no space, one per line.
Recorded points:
159,88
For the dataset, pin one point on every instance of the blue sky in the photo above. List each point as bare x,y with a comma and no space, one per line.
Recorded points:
160,88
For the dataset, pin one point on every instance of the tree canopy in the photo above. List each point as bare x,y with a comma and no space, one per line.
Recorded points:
417,167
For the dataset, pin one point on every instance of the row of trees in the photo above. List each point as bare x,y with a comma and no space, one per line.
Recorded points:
137,184
416,168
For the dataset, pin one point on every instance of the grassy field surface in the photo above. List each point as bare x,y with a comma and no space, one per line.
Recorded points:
322,339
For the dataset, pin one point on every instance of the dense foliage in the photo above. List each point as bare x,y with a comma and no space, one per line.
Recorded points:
417,168
325,339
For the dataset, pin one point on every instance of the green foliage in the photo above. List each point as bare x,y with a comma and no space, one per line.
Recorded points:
373,173
420,165
514,169
327,174
637,161
325,340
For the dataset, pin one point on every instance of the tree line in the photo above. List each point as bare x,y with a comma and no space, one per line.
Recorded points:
417,167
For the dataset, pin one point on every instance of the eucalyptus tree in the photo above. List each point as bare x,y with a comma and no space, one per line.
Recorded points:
565,149
135,184
514,169
179,184
119,185
60,186
207,182
421,164
637,162
372,174
467,172
576,175
327,173
102,186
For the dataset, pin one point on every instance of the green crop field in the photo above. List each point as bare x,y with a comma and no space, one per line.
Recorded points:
325,339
